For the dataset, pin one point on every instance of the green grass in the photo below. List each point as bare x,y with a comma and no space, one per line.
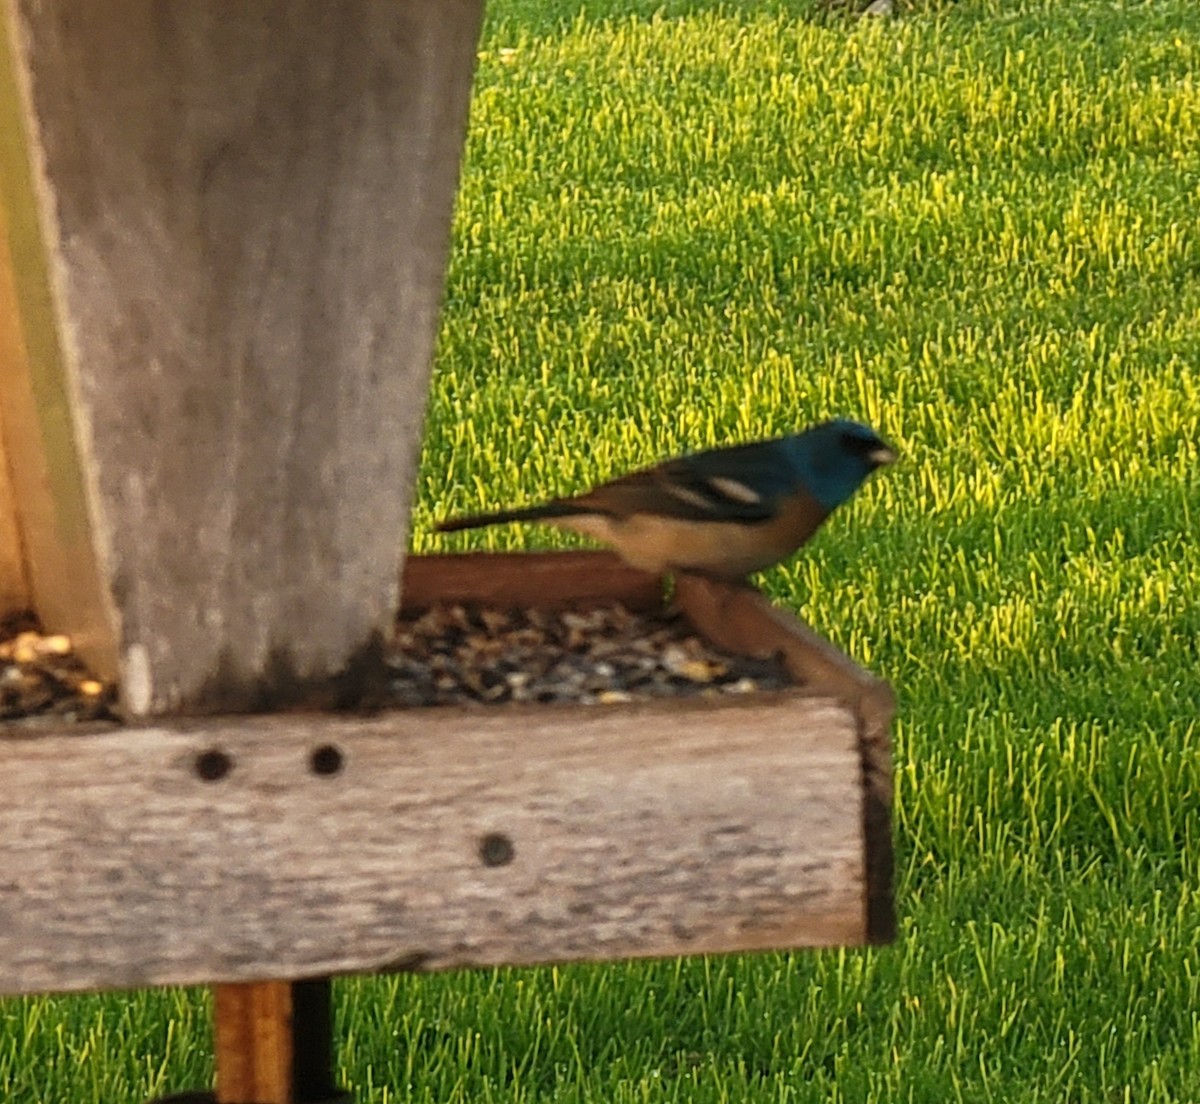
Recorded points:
977,229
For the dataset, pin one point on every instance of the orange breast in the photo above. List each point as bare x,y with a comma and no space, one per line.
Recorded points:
658,544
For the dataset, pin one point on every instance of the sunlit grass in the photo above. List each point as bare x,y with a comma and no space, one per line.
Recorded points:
977,230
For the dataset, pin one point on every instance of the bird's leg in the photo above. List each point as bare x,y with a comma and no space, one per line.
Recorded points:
741,582
738,583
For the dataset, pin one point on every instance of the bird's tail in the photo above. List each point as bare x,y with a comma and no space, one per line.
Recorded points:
547,511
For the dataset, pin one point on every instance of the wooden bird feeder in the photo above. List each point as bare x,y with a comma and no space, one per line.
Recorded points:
223,245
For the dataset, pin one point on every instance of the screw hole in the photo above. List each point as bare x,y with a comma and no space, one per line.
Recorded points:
213,765
496,849
326,760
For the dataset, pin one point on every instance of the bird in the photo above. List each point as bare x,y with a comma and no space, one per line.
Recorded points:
723,513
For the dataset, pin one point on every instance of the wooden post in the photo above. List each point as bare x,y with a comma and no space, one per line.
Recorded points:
273,1043
226,237
252,1027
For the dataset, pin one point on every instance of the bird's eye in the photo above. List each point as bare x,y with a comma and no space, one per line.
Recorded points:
855,442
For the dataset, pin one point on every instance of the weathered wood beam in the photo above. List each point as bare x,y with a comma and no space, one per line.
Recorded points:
742,621
295,846
227,229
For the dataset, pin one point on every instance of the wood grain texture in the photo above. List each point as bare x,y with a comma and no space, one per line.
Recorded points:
252,1038
742,620
46,538
273,1044
444,838
548,580
246,211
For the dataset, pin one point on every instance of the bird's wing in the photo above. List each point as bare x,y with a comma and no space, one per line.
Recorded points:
741,484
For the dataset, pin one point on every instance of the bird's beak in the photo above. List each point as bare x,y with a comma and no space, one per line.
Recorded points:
881,456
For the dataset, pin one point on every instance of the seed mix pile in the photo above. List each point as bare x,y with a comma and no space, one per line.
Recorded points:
458,654
451,654
40,676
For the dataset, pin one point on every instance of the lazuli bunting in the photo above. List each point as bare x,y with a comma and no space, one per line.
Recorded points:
725,512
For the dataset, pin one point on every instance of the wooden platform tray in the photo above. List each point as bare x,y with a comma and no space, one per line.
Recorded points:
298,845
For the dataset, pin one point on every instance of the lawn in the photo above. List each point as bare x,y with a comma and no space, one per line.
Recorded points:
975,227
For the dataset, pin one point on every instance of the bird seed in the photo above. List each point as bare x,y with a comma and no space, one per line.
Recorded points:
40,676
456,654
452,654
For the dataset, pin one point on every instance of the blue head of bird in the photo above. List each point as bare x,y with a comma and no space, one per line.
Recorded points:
834,458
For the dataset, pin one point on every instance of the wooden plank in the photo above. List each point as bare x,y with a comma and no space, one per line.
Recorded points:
45,533
245,214
548,580
741,620
300,845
